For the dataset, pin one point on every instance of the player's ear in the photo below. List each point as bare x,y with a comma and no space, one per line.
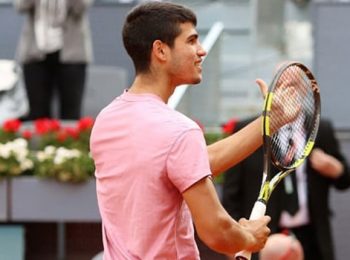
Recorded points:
159,50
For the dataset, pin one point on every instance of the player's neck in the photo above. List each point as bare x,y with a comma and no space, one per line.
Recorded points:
145,83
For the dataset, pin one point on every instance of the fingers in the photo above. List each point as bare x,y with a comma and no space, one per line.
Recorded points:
267,219
259,230
263,87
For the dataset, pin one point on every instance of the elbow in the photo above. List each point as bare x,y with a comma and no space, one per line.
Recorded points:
214,162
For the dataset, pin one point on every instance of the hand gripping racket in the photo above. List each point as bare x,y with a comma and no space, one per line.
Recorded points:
293,93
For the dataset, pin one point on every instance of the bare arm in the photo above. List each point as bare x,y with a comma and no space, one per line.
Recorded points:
326,164
327,158
229,151
216,228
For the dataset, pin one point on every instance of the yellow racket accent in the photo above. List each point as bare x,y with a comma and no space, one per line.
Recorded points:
308,147
307,151
268,102
267,125
265,192
298,162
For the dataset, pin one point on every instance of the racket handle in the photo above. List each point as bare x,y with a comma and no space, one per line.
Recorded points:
258,211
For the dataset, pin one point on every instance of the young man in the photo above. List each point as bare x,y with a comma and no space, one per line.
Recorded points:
153,168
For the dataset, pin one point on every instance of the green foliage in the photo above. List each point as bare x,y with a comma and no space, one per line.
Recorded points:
15,158
212,137
49,150
66,165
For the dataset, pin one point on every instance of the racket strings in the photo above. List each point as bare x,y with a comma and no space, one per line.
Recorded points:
287,144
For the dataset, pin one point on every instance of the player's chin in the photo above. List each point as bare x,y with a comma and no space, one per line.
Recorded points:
197,78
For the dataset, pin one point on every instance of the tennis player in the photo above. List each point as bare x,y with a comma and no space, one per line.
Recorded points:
153,168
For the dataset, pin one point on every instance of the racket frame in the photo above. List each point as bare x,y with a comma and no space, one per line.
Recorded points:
268,183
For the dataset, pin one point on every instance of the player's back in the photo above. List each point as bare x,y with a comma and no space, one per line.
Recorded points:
143,213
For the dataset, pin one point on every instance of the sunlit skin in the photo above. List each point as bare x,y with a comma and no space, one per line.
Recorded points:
185,65
326,164
172,66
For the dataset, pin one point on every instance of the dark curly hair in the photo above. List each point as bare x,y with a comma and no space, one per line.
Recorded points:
149,22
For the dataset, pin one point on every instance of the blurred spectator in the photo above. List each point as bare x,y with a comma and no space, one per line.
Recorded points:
13,98
282,247
324,168
54,48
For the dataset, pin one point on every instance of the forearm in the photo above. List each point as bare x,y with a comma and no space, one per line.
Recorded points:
331,166
215,227
229,151
213,224
227,237
334,168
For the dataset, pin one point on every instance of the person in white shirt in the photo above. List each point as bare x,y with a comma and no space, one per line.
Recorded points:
54,49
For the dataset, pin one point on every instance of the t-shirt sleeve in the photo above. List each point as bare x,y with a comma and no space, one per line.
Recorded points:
188,160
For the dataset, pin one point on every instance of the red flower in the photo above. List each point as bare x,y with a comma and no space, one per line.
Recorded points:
27,134
229,126
55,125
85,123
45,125
62,136
72,132
12,125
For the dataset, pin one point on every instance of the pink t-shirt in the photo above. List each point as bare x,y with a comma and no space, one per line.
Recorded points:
146,154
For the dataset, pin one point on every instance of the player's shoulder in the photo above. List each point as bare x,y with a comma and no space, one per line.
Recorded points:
179,121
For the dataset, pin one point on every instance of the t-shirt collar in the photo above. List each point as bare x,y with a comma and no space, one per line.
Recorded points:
138,97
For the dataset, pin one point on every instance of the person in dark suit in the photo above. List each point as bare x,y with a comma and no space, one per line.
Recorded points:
324,168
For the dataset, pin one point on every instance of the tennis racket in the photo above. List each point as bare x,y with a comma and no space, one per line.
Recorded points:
290,120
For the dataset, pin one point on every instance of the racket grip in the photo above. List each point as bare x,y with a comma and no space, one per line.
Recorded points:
258,211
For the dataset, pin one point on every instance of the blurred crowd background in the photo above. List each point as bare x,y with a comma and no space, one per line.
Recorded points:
247,39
